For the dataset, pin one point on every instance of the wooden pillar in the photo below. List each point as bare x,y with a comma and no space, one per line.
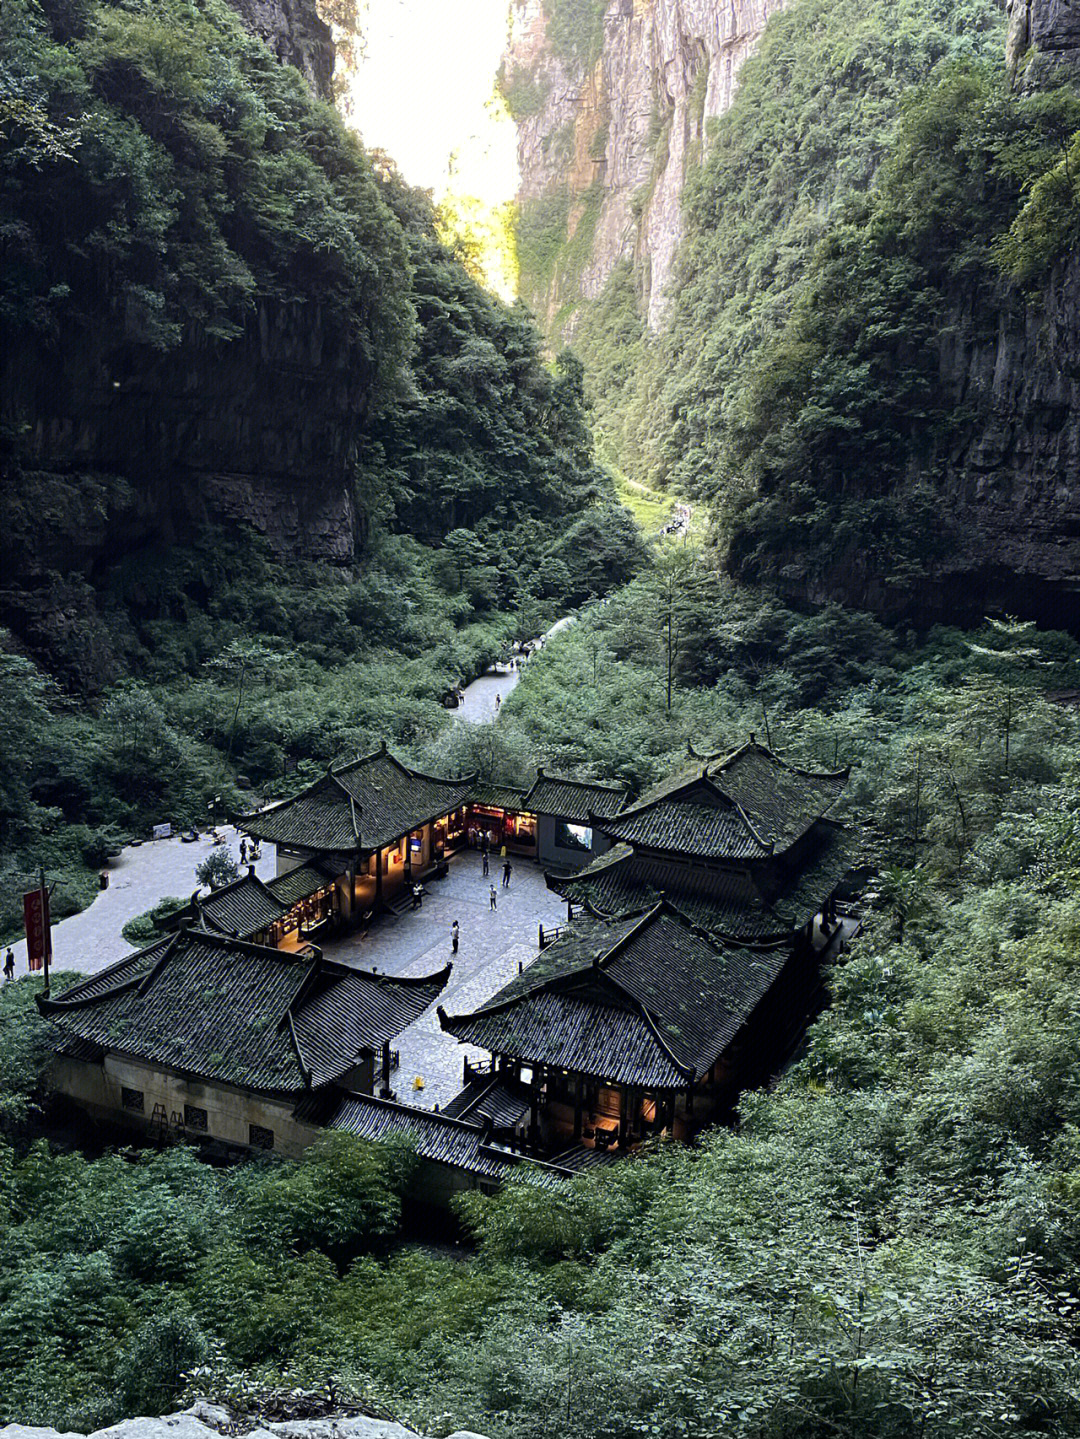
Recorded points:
624,1113
378,877
385,1087
579,1087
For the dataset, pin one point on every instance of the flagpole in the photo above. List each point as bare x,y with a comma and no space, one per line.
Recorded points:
46,926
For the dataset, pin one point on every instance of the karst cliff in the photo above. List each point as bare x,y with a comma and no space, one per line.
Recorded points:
612,103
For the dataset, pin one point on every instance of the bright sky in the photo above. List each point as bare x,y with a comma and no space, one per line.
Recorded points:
424,92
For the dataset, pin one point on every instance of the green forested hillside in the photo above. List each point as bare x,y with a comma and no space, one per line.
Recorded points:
875,201
163,181
886,1248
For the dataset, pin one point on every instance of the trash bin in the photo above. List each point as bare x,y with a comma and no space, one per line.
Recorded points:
103,879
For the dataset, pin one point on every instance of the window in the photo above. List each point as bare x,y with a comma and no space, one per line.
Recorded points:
260,1138
194,1118
132,1099
573,836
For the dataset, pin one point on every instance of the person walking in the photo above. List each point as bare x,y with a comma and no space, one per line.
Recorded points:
484,858
498,703
9,965
243,851
507,870
454,937
494,893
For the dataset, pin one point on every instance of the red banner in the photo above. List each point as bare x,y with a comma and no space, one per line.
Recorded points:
38,931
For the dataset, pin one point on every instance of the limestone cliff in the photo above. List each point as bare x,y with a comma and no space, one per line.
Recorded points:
297,34
612,99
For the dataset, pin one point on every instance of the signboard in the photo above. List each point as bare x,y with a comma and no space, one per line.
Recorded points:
162,831
38,932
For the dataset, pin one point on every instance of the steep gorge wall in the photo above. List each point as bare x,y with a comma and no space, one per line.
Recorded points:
611,99
297,34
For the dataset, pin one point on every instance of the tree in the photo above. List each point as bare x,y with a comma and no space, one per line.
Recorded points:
217,869
247,661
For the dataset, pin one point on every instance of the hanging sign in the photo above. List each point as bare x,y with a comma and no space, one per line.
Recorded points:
38,931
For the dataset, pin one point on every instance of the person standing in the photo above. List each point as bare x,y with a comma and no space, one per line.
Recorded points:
494,894
9,965
454,937
507,870
484,857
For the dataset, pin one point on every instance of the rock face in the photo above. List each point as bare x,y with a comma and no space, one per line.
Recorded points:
263,429
210,1421
297,35
608,129
1009,486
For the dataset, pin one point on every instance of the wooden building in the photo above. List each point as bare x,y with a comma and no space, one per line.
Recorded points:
375,823
690,962
284,913
501,812
742,845
567,813
222,1040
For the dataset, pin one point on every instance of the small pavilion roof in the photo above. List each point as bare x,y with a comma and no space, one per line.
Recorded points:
441,1139
297,884
239,1013
239,909
779,799
646,1000
500,796
574,799
698,821
364,805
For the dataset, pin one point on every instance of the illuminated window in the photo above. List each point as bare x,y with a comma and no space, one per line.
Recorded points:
573,836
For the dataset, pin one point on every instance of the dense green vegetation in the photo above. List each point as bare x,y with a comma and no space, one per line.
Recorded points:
888,1247
161,175
875,191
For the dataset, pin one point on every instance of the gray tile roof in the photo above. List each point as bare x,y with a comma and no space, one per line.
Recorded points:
725,902
347,1011
241,908
500,796
439,1138
298,884
238,1013
699,823
644,1000
489,1100
771,804
780,800
572,799
364,805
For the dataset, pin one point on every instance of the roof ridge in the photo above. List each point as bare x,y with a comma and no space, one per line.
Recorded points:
305,1071
646,917
753,743
650,1024
606,784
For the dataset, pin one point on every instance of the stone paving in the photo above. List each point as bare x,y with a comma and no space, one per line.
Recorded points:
139,878
493,943
478,706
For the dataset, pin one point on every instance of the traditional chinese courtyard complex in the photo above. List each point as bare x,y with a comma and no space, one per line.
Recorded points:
698,918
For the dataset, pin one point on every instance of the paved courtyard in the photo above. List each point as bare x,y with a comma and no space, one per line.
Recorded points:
139,878
493,943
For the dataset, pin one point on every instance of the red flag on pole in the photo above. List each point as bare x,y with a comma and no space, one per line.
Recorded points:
38,929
